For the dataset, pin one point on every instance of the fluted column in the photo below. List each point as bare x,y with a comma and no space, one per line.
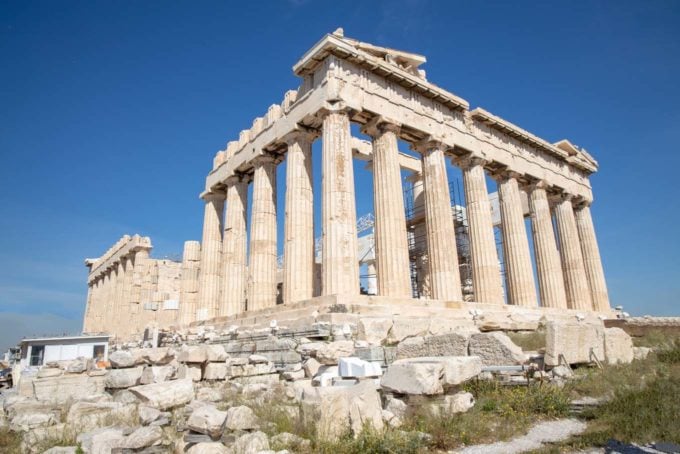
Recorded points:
391,246
234,247
548,267
139,264
339,258
420,236
262,281
486,274
89,308
575,280
126,294
519,273
591,258
107,300
188,291
298,247
442,251
211,256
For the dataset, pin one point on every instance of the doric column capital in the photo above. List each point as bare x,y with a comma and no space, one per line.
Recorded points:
468,161
301,134
265,158
237,178
379,125
580,202
213,196
428,144
537,184
503,175
334,108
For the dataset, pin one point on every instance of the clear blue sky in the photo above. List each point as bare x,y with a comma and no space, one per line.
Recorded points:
111,112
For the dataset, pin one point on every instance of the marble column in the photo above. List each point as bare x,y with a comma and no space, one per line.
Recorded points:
191,262
90,308
575,280
126,296
591,258
518,270
420,236
139,265
263,254
371,278
548,267
339,257
486,274
298,247
107,306
391,246
442,250
234,247
211,256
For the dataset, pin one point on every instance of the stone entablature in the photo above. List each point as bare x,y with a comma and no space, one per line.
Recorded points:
124,247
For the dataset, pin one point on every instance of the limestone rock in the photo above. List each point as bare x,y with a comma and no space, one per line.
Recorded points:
374,330
101,441
166,395
355,367
157,374
257,359
207,420
124,378
574,340
62,450
143,437
618,346
459,402
124,396
215,371
147,415
397,407
121,359
209,394
286,440
407,376
27,421
89,415
330,353
241,418
405,327
77,366
311,367
451,344
215,353
337,410
251,443
192,371
160,356
496,349
209,448
641,352
48,372
193,354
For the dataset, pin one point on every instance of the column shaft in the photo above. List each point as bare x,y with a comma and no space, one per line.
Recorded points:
420,237
486,275
191,262
263,258
126,297
442,250
592,259
211,256
548,267
234,247
391,246
298,248
519,273
340,263
575,280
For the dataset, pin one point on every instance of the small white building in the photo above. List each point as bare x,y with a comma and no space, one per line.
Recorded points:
40,351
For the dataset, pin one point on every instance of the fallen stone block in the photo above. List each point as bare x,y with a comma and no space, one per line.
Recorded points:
374,330
193,354
251,443
405,327
451,344
101,440
408,376
209,448
165,395
496,349
338,410
85,416
147,415
215,353
208,420
618,346
311,367
215,371
241,418
143,438
157,374
191,371
330,353
124,378
122,359
575,341
67,387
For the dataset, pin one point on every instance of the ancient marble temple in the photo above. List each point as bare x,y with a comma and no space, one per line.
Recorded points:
235,270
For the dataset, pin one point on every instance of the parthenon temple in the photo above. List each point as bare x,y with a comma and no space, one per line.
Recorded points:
528,246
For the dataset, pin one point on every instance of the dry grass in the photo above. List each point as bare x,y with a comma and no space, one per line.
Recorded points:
529,341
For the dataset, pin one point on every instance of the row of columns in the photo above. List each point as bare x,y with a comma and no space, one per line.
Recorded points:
571,277
114,295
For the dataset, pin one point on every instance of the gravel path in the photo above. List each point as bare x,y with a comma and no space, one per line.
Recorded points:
544,432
